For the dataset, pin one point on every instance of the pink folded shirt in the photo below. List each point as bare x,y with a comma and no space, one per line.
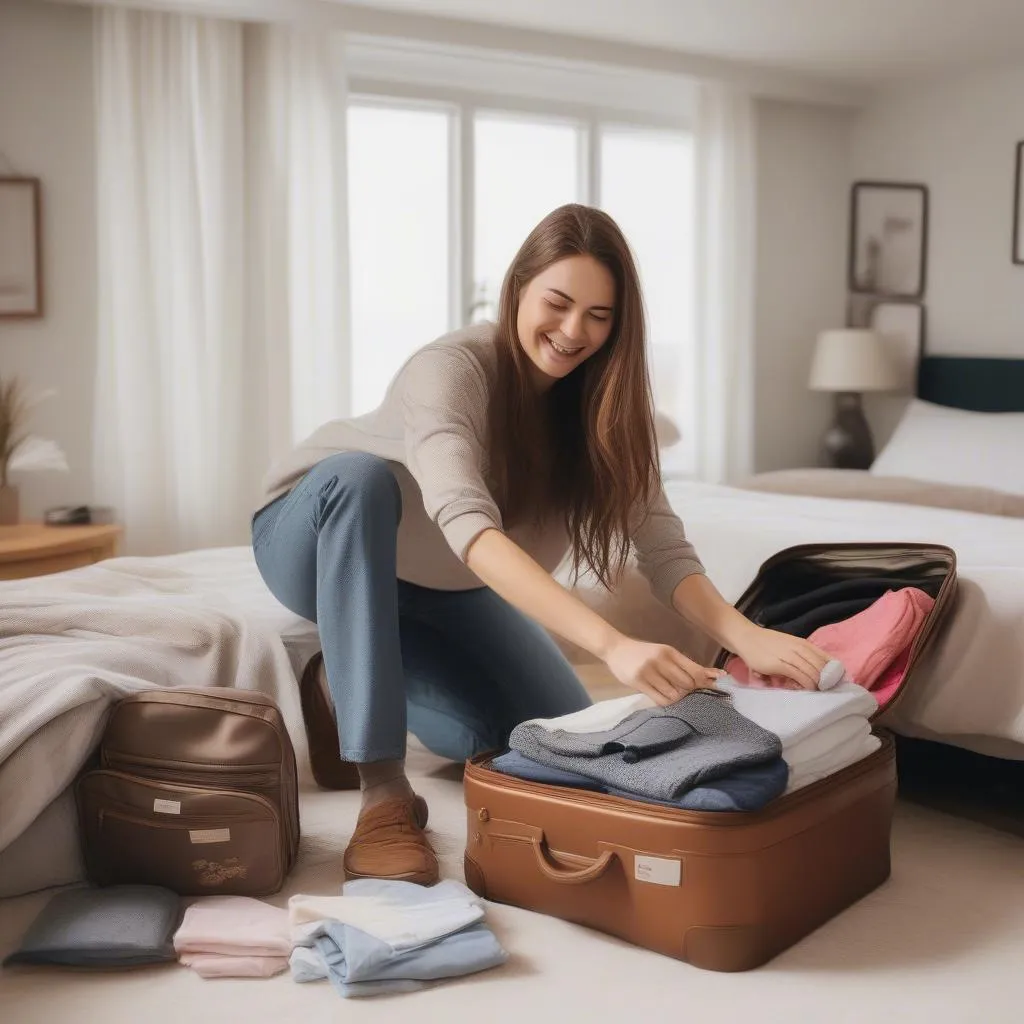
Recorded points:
873,645
234,936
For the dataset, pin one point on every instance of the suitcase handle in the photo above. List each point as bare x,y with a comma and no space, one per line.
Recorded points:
592,871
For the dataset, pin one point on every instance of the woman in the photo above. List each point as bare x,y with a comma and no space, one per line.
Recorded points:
421,538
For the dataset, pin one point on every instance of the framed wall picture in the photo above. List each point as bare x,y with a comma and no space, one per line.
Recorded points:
21,256
1018,206
903,326
888,239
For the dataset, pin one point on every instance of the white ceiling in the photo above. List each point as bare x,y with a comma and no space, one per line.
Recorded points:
855,42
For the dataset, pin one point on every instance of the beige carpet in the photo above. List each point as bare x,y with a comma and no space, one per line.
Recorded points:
943,940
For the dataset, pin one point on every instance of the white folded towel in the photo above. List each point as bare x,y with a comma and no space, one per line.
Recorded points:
835,760
404,915
793,715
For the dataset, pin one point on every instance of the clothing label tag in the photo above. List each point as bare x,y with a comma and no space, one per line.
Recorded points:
210,835
658,870
167,806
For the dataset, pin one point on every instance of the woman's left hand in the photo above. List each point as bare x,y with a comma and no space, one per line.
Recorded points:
770,654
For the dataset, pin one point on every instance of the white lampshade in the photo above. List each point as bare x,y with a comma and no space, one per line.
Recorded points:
850,359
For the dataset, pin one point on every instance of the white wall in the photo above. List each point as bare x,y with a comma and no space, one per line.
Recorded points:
958,137
46,130
803,173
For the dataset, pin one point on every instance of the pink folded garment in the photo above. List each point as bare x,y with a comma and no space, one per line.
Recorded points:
889,681
873,645
234,926
213,965
870,641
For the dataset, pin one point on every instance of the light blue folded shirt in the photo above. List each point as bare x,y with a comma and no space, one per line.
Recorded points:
359,964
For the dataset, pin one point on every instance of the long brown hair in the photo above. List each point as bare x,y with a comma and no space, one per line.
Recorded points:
585,450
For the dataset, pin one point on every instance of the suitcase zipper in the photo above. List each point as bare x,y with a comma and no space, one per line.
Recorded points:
171,788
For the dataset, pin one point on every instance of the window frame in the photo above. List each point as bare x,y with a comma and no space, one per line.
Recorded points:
462,105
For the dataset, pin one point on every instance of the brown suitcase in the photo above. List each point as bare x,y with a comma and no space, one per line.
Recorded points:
724,891
196,790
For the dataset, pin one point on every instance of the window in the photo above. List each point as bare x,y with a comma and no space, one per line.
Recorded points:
523,169
398,240
443,191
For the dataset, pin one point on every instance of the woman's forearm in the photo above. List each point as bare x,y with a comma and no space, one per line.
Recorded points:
512,574
700,603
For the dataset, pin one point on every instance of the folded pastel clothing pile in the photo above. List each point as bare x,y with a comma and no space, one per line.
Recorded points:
234,937
659,753
873,645
384,937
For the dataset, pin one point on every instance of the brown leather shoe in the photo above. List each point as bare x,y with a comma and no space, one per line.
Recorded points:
329,770
389,842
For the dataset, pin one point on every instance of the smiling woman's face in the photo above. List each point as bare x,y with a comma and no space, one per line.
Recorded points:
565,316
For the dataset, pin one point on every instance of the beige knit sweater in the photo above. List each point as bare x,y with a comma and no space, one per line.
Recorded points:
432,430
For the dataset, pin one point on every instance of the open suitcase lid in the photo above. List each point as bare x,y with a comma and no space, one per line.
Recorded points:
921,563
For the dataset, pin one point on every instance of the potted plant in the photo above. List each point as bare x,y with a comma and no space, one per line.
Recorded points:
19,450
14,408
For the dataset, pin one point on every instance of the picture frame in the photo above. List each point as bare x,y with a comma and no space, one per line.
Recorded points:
888,239
21,248
903,325
1018,206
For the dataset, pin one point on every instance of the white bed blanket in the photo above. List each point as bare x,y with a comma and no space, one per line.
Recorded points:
73,643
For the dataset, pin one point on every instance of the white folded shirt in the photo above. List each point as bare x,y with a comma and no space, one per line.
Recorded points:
448,908
605,714
793,715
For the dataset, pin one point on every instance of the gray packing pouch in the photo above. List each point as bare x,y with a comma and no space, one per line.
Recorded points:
119,926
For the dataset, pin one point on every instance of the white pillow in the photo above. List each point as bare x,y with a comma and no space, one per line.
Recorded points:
954,446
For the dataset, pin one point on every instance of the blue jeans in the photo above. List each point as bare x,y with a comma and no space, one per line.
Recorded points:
458,669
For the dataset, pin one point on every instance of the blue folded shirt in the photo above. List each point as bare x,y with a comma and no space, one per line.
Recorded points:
747,789
359,964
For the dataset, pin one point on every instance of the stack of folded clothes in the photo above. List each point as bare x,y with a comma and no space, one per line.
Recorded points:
733,748
821,732
696,754
234,937
381,937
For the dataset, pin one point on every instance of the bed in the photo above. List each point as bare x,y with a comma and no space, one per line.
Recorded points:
949,450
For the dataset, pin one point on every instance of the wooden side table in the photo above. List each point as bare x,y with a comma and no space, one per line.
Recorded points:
33,549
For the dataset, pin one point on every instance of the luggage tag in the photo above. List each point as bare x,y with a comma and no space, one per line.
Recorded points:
658,870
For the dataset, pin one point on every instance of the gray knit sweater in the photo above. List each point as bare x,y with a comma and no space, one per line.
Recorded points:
659,752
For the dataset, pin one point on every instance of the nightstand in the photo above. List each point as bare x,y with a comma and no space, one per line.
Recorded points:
32,549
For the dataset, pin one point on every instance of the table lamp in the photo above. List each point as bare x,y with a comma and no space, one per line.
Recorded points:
848,362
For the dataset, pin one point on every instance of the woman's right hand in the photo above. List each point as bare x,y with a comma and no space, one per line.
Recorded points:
657,670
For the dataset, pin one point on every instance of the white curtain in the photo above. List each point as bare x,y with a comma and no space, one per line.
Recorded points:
221,265
298,256
724,262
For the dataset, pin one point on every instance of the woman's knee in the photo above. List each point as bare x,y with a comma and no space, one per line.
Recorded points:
450,737
360,478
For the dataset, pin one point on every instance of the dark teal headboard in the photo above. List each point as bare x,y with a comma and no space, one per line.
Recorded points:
976,383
